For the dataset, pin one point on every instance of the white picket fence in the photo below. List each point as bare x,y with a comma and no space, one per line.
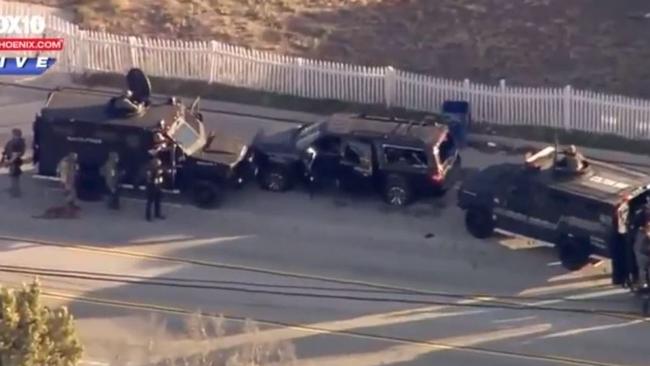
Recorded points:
215,62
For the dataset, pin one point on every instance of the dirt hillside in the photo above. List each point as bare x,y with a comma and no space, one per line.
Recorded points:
595,44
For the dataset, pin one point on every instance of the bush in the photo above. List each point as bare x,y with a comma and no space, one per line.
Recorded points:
32,334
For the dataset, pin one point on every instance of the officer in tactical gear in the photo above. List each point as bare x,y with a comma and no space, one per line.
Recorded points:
154,181
126,103
68,170
574,160
12,156
112,176
642,253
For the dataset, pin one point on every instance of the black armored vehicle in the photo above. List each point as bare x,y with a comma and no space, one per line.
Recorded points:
402,159
584,209
90,123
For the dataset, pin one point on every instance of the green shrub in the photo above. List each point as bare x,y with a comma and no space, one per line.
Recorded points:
32,334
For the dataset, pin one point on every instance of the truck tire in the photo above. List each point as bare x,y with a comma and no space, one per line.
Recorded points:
479,223
274,178
206,194
573,252
397,191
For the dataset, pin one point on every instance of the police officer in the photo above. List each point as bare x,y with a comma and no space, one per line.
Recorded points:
574,160
112,176
12,156
125,103
68,169
642,253
155,179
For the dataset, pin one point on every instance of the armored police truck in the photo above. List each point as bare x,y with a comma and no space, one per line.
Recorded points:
89,123
591,208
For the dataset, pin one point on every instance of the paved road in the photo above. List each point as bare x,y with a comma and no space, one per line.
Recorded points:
361,284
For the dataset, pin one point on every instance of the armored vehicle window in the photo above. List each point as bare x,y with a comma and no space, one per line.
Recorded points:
586,210
412,157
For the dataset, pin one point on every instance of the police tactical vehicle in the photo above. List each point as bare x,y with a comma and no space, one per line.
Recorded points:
593,210
402,159
199,162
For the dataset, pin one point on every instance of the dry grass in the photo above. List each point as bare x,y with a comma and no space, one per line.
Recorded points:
202,332
532,42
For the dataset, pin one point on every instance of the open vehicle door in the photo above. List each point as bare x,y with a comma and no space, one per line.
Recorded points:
195,108
357,158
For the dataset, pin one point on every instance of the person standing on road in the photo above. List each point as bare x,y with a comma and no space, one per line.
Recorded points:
155,179
642,253
12,156
112,177
67,170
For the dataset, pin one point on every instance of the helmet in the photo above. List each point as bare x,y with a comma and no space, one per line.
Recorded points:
113,156
572,149
128,93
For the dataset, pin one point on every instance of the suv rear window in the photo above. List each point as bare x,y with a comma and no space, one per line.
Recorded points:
404,156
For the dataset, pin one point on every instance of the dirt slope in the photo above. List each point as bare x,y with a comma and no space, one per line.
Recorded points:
596,44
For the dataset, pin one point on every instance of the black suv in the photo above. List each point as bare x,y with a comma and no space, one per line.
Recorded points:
199,162
594,209
400,158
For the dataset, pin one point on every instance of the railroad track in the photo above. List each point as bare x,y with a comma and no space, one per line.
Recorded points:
406,295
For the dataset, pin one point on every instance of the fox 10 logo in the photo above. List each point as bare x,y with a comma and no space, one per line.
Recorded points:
24,47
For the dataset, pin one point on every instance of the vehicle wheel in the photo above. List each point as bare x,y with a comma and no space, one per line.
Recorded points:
479,223
397,191
573,252
275,179
206,194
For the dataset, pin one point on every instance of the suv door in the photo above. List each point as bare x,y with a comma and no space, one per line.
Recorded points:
356,163
324,164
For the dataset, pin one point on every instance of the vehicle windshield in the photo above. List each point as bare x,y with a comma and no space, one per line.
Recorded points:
186,137
307,135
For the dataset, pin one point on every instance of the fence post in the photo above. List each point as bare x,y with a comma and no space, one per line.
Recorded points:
133,46
389,86
301,77
568,96
213,60
466,90
81,50
504,103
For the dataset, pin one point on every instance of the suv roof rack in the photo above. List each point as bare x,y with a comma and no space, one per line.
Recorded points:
379,117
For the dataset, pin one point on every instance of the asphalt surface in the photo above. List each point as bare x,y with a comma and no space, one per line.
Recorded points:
344,280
